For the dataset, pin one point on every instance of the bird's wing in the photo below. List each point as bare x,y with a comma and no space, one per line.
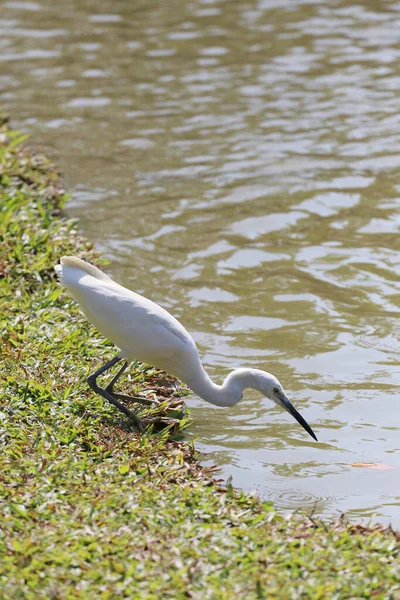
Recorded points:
141,328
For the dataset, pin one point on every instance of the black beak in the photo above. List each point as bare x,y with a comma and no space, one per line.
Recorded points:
288,406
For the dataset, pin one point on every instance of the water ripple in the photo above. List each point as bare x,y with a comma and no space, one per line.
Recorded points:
239,164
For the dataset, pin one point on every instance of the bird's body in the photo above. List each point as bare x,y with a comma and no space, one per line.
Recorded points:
141,329
146,332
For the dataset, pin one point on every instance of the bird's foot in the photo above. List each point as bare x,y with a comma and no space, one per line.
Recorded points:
138,399
139,424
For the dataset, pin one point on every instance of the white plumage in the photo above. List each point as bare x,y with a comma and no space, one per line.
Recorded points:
144,331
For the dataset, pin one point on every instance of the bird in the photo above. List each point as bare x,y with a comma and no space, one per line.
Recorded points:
144,331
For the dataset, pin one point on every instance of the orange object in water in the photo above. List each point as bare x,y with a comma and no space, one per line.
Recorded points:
371,466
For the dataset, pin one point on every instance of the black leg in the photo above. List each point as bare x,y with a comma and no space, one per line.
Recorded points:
114,380
106,394
139,399
110,389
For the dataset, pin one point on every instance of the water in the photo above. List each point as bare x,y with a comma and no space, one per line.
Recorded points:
239,163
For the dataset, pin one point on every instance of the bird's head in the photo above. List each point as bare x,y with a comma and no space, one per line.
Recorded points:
270,387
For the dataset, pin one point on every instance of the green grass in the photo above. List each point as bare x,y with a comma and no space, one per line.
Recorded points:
91,510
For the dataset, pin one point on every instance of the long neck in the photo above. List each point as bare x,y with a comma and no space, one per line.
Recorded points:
227,394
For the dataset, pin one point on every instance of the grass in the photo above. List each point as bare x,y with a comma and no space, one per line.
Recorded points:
91,510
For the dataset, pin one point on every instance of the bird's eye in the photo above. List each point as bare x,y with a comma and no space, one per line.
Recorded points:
276,391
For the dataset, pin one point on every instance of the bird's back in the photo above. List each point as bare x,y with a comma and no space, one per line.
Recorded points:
142,329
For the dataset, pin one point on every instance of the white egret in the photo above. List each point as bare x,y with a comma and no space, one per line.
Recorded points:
144,331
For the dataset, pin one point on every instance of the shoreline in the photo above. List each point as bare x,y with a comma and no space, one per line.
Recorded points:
90,509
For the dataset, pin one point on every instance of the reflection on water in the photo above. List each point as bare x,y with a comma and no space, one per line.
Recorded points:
239,163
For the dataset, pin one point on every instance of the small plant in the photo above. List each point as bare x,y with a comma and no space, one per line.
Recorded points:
91,510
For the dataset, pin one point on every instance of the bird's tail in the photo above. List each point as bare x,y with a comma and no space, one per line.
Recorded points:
78,263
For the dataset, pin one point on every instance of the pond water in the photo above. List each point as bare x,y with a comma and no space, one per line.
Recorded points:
239,163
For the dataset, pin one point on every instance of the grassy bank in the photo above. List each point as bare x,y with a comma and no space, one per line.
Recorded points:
91,510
